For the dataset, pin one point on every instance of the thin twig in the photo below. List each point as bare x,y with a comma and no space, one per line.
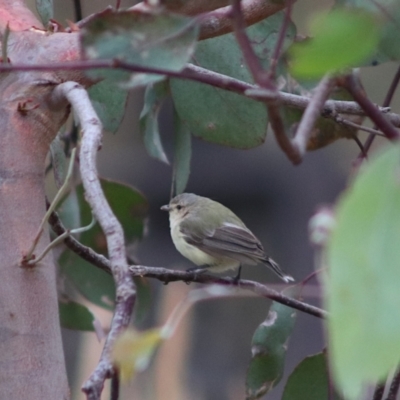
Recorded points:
125,290
370,109
28,257
263,80
340,120
312,112
260,76
60,239
386,103
167,275
281,39
284,142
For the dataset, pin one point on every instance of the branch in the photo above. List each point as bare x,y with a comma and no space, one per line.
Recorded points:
281,39
219,22
263,79
167,275
386,103
312,112
370,109
125,291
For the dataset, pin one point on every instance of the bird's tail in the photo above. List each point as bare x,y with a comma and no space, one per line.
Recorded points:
277,269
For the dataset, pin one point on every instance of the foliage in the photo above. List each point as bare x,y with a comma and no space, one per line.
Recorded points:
362,255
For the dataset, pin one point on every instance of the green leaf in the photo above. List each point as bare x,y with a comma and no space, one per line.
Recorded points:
141,80
183,154
75,316
130,207
109,101
269,346
45,10
309,380
341,39
155,40
220,116
148,121
371,6
389,44
362,287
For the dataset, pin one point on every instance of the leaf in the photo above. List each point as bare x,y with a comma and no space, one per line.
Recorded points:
45,10
220,116
142,80
183,154
148,121
390,31
143,299
130,208
309,380
341,39
362,291
133,351
75,316
269,347
371,6
144,39
58,161
109,102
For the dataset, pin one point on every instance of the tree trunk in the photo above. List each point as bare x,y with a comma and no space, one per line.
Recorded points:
32,360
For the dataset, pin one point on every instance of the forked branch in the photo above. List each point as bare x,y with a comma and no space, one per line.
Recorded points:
91,127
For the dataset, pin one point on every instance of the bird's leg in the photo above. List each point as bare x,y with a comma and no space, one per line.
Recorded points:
236,279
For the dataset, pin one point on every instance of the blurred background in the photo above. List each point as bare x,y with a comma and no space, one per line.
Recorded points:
208,357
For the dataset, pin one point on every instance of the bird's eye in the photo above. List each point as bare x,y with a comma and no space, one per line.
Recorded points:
179,208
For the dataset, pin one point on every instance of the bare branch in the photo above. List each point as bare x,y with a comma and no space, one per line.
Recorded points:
219,22
281,39
312,112
195,73
125,291
370,109
263,79
260,76
388,99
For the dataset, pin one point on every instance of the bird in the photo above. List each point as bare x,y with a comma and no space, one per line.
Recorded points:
214,238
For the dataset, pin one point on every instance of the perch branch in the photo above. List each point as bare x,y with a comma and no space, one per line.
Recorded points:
91,126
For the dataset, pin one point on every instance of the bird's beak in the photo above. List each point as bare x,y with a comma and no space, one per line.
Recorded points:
165,208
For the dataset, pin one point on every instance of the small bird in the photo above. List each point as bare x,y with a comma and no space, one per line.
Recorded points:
213,237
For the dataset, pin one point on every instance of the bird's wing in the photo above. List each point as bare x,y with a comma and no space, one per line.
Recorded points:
230,241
